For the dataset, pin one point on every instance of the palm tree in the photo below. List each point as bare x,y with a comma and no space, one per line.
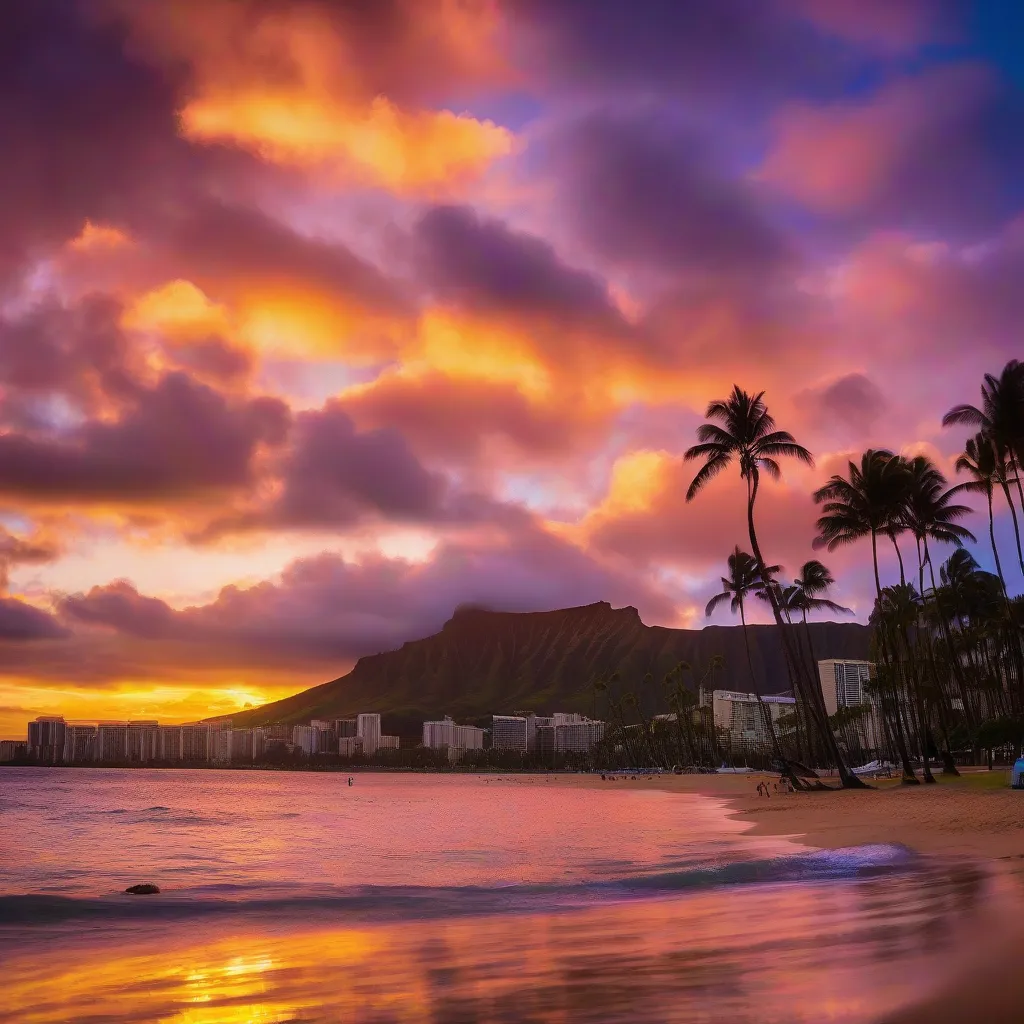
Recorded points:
870,502
866,504
743,580
896,614
741,429
981,460
1000,418
930,515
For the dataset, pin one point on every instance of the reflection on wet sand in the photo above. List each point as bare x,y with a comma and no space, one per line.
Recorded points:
846,952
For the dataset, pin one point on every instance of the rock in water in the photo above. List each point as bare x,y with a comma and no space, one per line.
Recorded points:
146,889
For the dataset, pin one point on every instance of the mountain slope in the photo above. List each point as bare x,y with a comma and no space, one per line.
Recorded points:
484,662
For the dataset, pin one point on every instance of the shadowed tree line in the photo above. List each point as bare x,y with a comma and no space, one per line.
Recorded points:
945,634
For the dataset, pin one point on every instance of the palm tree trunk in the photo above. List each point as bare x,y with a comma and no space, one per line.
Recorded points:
812,693
899,558
909,778
766,715
1013,513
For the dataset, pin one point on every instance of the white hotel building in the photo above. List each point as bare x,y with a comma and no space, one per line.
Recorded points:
740,714
457,738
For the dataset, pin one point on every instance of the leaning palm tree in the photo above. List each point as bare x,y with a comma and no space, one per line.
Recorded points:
742,430
744,580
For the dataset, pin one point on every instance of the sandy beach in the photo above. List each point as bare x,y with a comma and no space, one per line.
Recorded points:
976,815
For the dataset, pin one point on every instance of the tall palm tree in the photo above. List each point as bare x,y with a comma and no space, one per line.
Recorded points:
740,429
1000,417
984,461
743,580
930,515
981,461
867,503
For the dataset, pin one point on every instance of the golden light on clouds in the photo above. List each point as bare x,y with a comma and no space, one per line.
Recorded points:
463,348
177,308
422,151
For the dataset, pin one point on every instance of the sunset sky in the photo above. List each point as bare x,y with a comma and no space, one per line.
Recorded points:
318,319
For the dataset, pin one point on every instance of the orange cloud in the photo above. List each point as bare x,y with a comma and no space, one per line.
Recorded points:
302,86
420,151
177,308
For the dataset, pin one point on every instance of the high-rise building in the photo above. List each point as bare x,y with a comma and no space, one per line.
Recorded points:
741,714
112,742
509,732
577,737
168,743
197,743
142,737
388,743
368,730
844,685
11,749
350,746
561,718
533,723
346,727
80,742
455,737
307,739
46,738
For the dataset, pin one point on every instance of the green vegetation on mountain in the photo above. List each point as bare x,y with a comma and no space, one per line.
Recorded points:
484,662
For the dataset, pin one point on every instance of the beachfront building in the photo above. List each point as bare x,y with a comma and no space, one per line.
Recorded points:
11,749
368,730
456,738
112,742
509,732
46,738
197,743
168,743
577,736
79,744
346,728
845,686
741,715
142,741
534,738
307,739
388,743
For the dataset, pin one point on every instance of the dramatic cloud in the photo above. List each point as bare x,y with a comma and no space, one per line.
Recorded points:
325,610
175,441
307,85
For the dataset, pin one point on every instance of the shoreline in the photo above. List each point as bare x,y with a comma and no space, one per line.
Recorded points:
975,816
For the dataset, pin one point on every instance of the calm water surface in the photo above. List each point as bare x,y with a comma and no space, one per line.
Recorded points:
294,897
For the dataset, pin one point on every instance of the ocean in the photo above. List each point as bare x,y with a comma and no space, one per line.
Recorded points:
292,896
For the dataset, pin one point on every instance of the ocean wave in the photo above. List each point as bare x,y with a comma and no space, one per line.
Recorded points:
417,902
